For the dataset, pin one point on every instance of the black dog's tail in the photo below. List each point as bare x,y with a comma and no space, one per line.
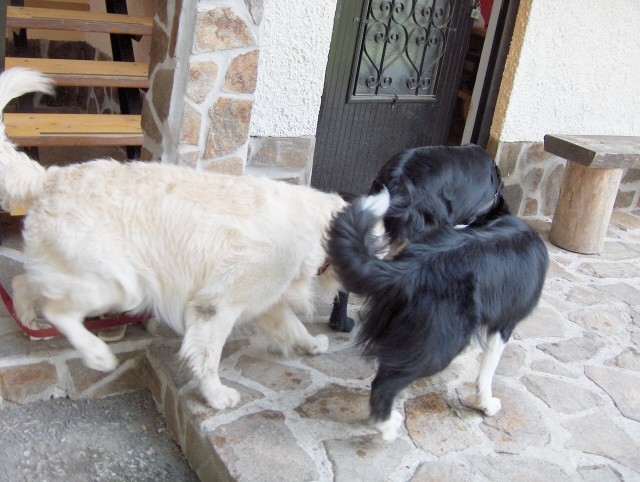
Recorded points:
353,249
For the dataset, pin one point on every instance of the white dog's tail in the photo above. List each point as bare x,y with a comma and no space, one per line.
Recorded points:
21,178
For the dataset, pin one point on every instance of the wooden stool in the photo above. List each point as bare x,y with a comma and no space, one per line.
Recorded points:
595,165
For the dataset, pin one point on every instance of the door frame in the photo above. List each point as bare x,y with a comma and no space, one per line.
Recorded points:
490,72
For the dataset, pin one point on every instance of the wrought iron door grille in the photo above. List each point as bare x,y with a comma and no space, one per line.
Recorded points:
399,50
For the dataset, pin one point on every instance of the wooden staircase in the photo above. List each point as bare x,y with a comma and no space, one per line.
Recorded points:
79,129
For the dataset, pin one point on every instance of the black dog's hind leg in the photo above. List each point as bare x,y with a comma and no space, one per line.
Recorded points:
339,321
384,389
390,381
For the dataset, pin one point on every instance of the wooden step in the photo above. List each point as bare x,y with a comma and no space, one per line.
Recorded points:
37,130
87,73
19,211
53,19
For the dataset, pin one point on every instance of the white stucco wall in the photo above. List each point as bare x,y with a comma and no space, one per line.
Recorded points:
578,71
293,59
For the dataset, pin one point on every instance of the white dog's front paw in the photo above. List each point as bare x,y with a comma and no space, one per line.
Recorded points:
389,428
100,358
319,345
23,305
222,397
276,348
25,311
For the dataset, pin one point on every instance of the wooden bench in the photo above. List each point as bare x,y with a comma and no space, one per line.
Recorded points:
595,165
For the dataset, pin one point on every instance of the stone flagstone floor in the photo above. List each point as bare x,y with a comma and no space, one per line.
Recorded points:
569,382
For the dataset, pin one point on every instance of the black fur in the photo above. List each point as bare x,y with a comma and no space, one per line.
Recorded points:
436,186
423,307
339,320
429,187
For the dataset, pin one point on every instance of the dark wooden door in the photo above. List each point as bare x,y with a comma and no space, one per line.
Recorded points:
391,83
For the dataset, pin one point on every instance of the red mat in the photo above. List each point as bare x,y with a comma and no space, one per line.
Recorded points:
91,323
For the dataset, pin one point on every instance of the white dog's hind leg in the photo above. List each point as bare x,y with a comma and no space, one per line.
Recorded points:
205,335
95,352
287,331
490,358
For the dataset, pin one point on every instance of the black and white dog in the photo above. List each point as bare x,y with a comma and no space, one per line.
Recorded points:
429,187
424,305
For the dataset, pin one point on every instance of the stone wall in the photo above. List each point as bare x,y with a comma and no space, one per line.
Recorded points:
204,70
532,179
162,71
198,113
285,158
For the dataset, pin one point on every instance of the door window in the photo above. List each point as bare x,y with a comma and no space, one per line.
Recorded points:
399,50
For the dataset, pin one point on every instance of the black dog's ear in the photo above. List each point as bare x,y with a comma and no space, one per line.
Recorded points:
496,177
376,187
347,196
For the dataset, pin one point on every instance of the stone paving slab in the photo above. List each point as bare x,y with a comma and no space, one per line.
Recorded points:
569,382
37,370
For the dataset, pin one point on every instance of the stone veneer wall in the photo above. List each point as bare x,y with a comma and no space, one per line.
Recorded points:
163,68
532,179
198,113
286,158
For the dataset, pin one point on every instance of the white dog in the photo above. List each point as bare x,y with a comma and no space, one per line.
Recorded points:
200,251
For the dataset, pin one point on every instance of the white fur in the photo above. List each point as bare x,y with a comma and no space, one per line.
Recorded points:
198,250
22,178
389,428
19,81
378,203
484,400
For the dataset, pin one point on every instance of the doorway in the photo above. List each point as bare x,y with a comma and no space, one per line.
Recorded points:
391,83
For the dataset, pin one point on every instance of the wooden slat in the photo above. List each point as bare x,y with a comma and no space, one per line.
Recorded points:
47,18
19,211
73,129
58,4
87,73
596,151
